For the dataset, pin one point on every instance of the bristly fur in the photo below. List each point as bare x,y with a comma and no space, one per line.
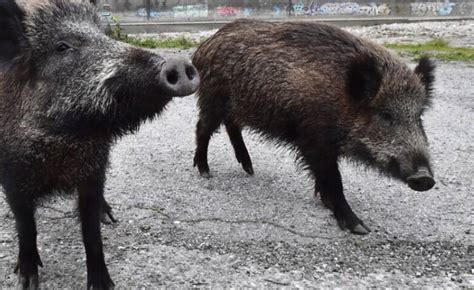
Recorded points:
323,92
54,11
425,69
11,17
68,92
363,79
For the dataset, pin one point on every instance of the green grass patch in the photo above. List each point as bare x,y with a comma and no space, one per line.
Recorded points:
116,32
178,42
436,48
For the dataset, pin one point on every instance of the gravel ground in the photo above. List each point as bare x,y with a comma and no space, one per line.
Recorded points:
177,229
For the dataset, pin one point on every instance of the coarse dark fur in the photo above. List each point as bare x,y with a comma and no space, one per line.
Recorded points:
322,91
67,92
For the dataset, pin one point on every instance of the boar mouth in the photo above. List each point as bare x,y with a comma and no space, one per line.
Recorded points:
420,180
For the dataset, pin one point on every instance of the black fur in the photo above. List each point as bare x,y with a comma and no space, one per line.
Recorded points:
11,32
61,111
425,69
363,78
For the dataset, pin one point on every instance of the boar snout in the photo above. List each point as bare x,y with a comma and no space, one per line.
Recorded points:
179,77
421,180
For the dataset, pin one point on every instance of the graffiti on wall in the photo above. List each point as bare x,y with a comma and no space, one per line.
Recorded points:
186,11
373,9
248,11
277,11
304,8
180,11
346,8
227,11
142,13
432,8
298,9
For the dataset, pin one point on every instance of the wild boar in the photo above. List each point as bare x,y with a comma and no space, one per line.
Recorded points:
323,92
67,92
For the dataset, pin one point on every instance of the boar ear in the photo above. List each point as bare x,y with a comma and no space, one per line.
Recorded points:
425,70
11,32
363,78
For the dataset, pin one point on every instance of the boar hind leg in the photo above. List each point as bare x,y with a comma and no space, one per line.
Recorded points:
90,208
235,135
206,126
329,185
23,207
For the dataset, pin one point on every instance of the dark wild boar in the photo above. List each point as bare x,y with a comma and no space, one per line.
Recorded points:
322,91
67,92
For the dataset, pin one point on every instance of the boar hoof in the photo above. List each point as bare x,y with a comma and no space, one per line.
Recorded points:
354,224
205,174
248,169
103,284
360,229
202,166
107,216
28,281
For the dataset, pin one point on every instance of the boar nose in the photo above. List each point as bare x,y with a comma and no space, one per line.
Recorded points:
422,180
178,77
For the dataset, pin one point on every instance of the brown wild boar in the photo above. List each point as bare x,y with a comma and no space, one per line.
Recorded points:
323,92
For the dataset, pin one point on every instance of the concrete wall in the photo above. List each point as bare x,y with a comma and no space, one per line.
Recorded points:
199,10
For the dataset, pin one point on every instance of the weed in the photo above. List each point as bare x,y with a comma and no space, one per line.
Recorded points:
436,48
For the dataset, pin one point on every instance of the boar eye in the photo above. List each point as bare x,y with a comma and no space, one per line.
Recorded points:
62,46
386,116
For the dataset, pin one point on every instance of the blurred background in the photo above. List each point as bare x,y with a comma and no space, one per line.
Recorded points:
221,10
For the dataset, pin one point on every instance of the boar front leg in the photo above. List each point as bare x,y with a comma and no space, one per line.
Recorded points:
329,186
91,200
23,207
